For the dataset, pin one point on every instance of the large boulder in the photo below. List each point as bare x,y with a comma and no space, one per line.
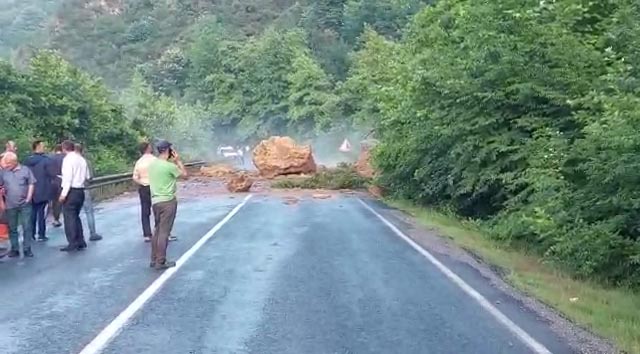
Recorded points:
363,165
279,156
239,183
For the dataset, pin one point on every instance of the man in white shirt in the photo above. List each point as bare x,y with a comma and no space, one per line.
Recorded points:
75,173
141,177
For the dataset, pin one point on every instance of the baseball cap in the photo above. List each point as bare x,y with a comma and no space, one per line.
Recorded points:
163,146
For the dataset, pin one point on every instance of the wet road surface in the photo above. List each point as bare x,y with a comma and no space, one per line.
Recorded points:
315,276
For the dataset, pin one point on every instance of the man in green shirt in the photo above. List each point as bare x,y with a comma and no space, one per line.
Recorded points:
163,176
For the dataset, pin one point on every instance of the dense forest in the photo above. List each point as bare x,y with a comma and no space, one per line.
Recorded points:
521,114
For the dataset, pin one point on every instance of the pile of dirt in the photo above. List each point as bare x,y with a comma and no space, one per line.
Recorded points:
217,171
239,183
363,165
279,156
376,191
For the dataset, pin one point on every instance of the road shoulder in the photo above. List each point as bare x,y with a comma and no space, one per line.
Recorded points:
494,283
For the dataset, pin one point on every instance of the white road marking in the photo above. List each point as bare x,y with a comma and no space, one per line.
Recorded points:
529,341
115,327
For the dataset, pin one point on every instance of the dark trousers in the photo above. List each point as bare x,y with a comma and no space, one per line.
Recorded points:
164,214
145,210
20,216
56,207
39,219
71,212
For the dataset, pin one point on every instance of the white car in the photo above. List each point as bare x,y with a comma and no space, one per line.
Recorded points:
228,151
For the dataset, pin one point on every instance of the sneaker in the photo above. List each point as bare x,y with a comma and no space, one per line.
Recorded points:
28,253
14,254
57,224
165,265
173,238
152,265
43,239
68,249
147,239
95,238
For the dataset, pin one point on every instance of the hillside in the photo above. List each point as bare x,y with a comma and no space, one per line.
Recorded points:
25,23
111,37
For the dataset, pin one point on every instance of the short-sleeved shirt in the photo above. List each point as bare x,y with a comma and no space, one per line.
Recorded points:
141,168
16,184
163,176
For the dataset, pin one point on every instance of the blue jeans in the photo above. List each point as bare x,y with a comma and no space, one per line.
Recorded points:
88,210
39,219
20,216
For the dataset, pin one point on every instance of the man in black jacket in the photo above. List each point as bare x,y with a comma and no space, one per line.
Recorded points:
54,170
38,164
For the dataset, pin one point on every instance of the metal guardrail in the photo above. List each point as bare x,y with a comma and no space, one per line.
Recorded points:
126,177
110,186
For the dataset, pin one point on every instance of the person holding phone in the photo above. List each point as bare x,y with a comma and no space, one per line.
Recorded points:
164,172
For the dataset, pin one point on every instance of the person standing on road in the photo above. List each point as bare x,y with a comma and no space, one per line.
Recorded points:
54,170
88,201
141,178
163,175
38,164
74,176
241,156
10,146
18,183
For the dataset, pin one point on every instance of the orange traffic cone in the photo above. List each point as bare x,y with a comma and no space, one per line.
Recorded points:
4,232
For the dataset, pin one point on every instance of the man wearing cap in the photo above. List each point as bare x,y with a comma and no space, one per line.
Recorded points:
18,183
164,172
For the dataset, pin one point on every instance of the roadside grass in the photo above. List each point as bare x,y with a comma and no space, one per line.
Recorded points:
612,313
344,176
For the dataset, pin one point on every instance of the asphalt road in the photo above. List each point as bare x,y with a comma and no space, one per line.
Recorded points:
316,276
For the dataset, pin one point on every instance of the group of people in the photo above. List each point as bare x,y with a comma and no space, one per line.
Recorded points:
56,183
45,183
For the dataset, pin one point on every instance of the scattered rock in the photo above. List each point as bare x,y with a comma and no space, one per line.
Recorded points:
375,191
279,156
218,171
240,183
290,200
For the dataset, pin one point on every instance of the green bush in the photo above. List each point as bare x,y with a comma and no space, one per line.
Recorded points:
523,114
344,176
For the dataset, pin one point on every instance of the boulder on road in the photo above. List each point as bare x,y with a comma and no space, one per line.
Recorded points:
218,171
279,156
239,183
363,165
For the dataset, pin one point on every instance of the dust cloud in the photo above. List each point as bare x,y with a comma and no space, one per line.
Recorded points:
326,148
200,143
